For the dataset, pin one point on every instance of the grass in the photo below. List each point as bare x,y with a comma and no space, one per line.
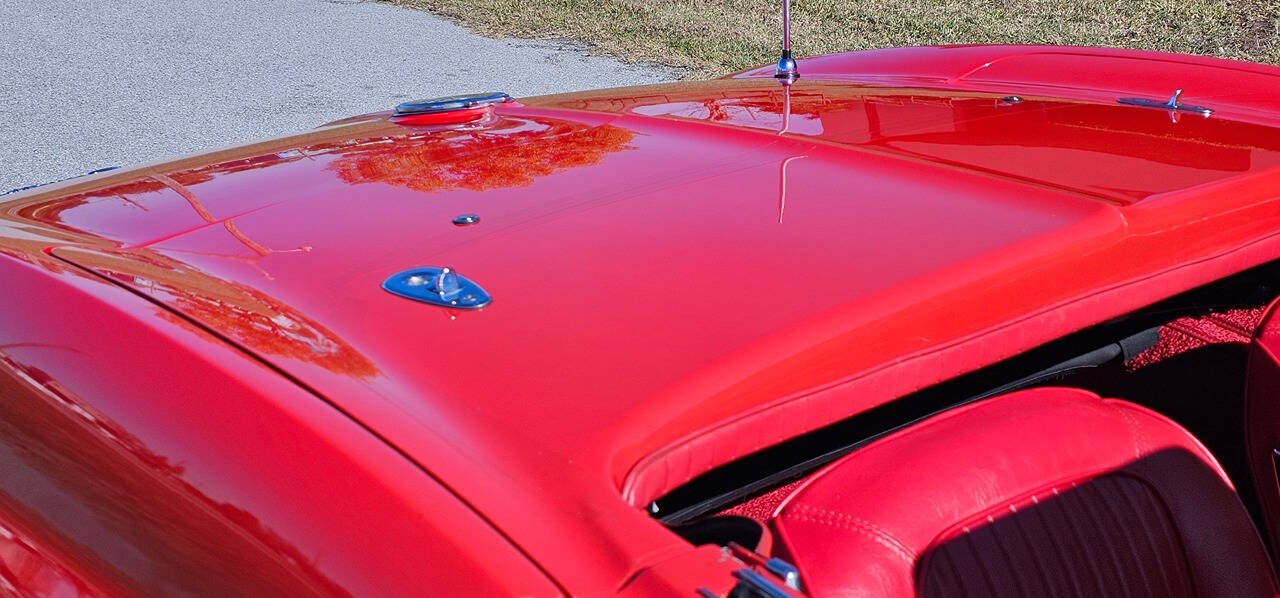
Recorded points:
715,37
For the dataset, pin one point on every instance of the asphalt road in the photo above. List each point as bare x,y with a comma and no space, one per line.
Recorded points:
91,84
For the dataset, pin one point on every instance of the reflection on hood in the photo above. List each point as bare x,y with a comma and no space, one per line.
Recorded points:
480,160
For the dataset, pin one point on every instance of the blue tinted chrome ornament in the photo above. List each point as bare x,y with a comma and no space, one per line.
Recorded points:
437,286
451,103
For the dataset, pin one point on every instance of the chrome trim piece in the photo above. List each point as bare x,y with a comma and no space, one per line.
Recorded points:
437,286
788,572
33,186
451,103
1174,105
758,585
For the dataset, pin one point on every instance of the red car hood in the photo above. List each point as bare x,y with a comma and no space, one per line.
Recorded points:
685,273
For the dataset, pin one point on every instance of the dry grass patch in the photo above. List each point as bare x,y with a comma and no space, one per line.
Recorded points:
714,37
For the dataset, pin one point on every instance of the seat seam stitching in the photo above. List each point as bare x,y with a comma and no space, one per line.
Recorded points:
841,520
1135,431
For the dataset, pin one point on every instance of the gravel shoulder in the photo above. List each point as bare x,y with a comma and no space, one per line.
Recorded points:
86,85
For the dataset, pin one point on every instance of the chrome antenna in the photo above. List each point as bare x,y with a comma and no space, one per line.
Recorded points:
786,65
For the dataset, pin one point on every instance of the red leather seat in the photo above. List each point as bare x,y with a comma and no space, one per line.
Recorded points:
1043,492
1262,418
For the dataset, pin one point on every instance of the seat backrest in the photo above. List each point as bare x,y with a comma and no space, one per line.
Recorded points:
1047,491
1262,419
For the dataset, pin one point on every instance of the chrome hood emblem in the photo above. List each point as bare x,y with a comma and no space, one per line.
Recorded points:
437,286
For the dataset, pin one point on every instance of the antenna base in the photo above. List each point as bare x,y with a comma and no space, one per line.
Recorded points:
786,68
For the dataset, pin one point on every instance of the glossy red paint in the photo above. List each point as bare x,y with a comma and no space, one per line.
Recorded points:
443,118
141,455
682,274
27,569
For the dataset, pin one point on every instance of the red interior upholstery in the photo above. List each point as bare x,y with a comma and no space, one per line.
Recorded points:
1262,418
1048,491
1193,332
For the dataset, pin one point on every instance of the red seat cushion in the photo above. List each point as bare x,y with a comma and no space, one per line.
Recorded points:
1049,491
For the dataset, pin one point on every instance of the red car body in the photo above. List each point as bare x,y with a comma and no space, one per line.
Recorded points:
204,389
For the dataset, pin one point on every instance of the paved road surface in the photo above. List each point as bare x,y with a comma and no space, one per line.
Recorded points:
98,83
